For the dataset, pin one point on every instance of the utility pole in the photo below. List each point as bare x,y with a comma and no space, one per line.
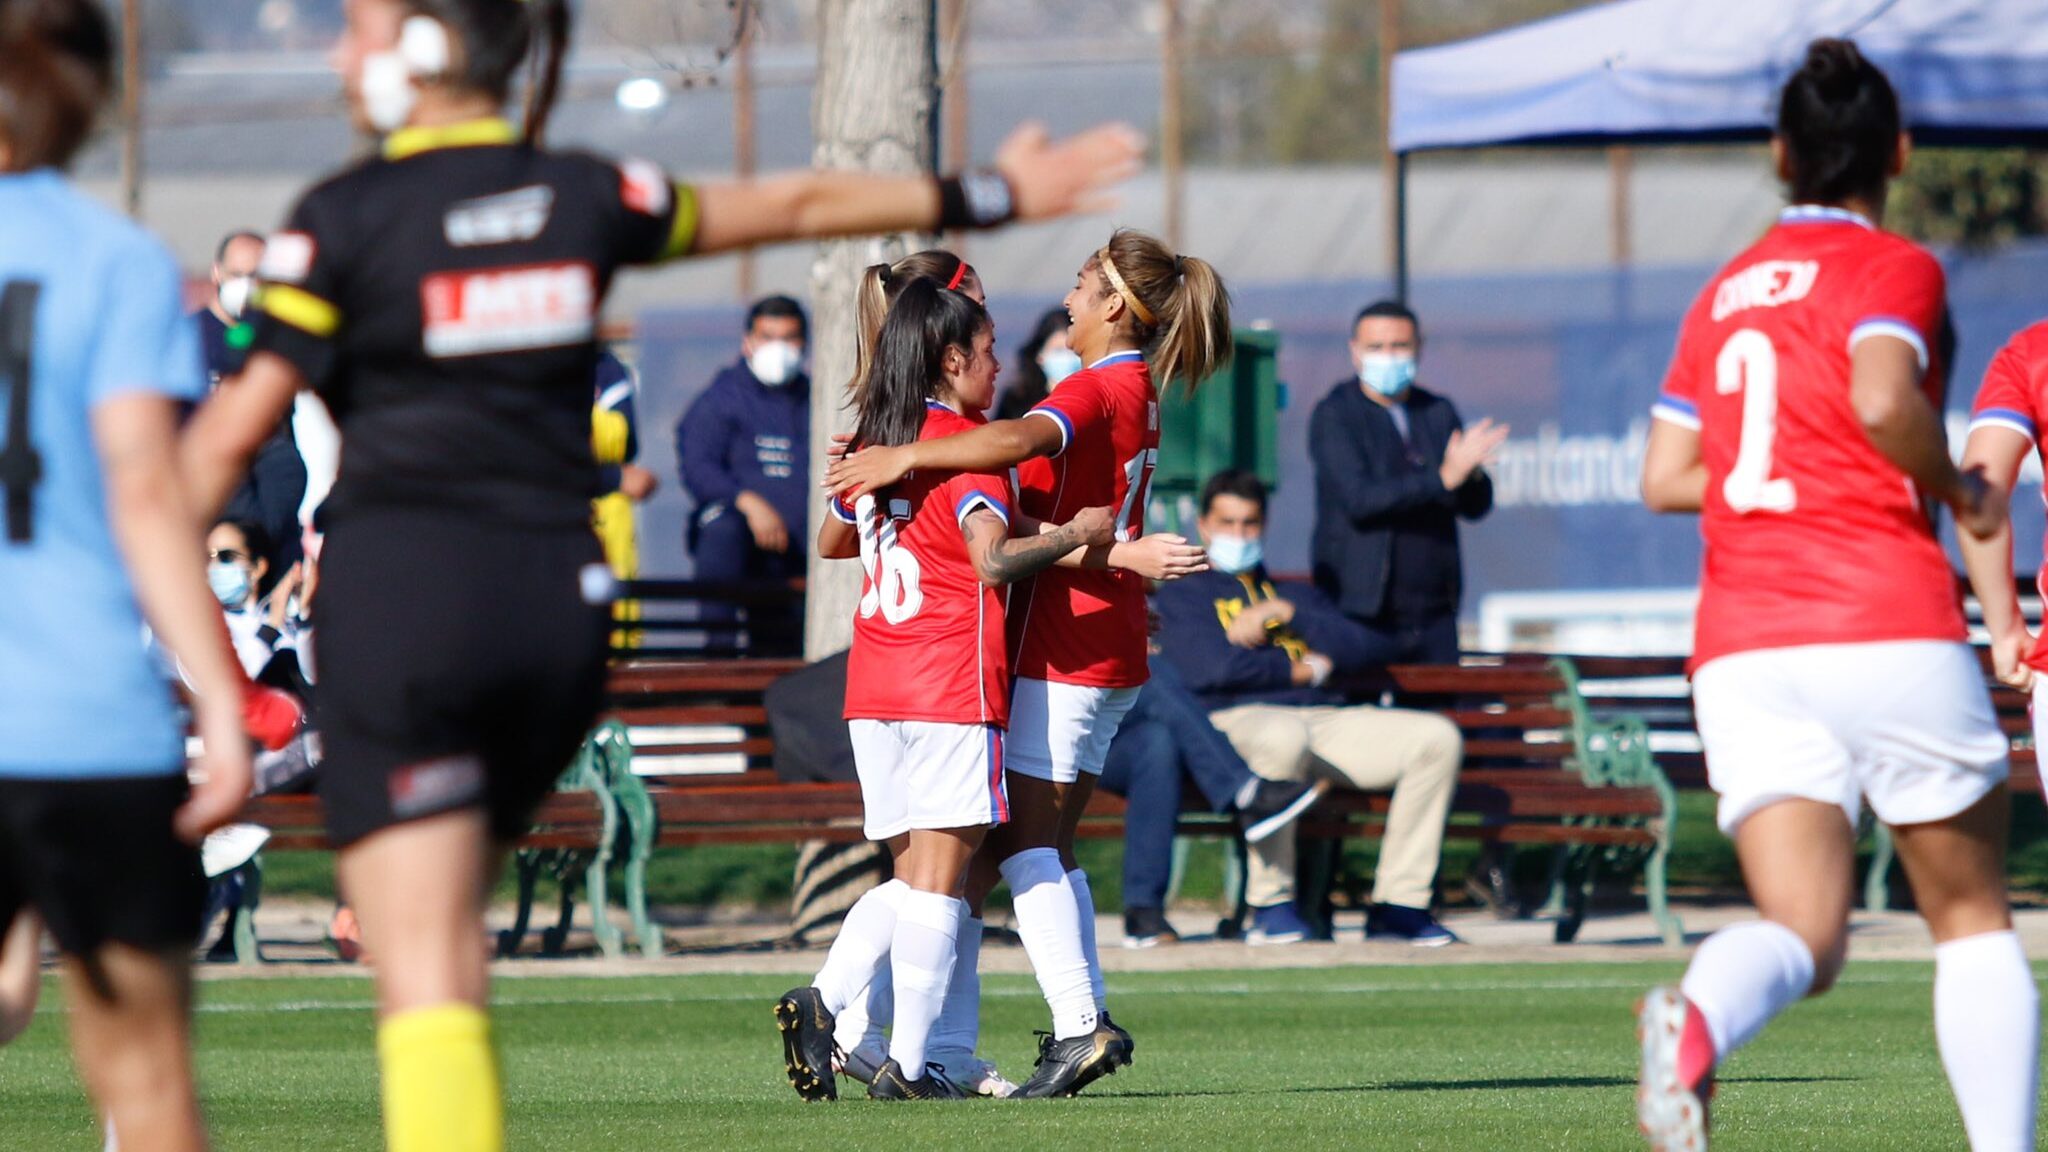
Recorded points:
131,107
1172,162
1392,195
743,145
872,110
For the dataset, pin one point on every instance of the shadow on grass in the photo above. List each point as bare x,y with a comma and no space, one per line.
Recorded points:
1495,1084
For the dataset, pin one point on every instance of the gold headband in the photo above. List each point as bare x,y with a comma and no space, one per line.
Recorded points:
1116,281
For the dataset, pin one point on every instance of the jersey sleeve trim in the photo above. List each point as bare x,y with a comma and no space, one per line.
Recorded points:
978,500
840,511
1676,410
2004,418
298,308
683,227
1894,327
1060,418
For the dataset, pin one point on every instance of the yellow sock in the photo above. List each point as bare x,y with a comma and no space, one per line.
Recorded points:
440,1081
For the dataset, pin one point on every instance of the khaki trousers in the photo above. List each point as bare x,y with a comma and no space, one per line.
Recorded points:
1414,753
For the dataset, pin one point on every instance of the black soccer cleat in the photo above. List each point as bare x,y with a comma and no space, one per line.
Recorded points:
806,1029
890,1084
1123,1047
1067,1066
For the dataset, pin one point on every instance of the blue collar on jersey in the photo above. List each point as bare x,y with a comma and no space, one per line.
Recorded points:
931,405
1822,214
1123,357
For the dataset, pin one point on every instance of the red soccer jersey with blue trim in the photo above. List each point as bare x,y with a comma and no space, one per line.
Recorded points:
928,640
1076,625
2014,395
1812,536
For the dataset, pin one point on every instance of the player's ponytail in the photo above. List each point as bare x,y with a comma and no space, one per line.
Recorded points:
1838,117
1175,307
880,285
56,68
548,29
910,355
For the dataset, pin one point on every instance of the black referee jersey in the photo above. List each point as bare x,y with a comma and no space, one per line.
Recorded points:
443,299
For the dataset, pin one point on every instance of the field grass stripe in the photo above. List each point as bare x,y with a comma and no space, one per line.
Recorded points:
1024,991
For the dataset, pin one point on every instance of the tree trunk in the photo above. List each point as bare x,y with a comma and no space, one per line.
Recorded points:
873,110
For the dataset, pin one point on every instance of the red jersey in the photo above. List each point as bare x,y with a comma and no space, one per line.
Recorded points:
1812,536
1083,626
928,639
2015,395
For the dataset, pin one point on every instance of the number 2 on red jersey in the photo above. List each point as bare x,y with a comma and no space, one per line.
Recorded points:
1748,363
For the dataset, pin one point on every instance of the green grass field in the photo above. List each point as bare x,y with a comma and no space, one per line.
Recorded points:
1452,1057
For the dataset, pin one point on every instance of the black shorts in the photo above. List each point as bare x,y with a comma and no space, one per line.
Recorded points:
98,860
460,666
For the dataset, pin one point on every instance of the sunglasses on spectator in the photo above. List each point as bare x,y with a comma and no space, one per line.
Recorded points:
231,555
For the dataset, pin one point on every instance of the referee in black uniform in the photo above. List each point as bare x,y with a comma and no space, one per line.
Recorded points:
443,299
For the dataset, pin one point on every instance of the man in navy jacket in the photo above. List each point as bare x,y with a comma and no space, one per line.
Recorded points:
744,447
1257,654
1396,469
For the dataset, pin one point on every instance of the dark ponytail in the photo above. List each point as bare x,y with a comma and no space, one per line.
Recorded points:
910,357
493,38
56,68
1839,119
548,22
879,286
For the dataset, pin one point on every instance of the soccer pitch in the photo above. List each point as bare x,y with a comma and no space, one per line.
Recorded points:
1464,1057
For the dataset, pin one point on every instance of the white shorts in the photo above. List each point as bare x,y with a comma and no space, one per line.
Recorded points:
1058,731
915,774
1906,724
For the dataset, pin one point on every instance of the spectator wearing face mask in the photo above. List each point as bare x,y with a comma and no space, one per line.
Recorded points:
744,446
1396,469
262,621
276,485
1257,653
1043,361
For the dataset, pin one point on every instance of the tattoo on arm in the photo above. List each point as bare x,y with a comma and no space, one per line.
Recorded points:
1006,559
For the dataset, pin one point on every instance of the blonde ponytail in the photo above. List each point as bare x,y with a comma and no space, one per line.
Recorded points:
1176,307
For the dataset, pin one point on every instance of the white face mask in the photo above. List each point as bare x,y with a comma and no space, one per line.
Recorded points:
389,82
1059,364
774,362
234,294
1236,554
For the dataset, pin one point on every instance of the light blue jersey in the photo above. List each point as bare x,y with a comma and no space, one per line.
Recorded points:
78,696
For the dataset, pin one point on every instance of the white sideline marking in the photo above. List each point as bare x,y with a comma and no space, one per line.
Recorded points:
1233,989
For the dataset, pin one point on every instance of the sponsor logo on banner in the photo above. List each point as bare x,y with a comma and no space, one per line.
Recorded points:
508,309
287,258
644,188
503,219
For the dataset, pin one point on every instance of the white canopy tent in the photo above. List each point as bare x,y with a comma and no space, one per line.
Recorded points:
1667,71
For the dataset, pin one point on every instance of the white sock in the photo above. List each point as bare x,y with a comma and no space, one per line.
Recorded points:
861,947
959,1024
927,926
1987,1021
1742,976
1050,923
864,1022
1084,903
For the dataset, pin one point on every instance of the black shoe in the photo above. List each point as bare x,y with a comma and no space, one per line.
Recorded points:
807,1043
1125,1046
1395,924
1147,928
1067,1066
890,1084
1275,805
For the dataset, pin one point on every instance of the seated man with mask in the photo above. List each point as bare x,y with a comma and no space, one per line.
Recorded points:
744,450
1257,654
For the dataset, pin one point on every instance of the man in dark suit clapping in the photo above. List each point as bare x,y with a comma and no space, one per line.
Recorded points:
1395,470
